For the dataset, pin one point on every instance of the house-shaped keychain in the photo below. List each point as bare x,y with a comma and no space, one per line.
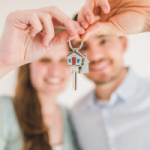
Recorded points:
77,63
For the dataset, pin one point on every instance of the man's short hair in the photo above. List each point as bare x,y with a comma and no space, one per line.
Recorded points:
75,17
59,29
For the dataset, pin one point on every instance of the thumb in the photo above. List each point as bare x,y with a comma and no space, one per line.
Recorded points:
102,28
90,6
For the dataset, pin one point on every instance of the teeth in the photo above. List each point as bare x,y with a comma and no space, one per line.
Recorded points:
101,66
54,80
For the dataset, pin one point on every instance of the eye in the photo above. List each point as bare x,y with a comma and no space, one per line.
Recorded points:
64,60
104,41
45,60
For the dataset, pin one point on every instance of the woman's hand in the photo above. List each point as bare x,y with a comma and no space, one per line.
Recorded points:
28,34
115,17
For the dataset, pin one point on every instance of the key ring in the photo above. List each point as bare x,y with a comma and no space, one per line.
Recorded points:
72,47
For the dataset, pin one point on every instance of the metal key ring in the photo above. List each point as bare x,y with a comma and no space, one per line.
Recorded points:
72,47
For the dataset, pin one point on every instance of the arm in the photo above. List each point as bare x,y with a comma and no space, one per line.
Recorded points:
29,34
115,17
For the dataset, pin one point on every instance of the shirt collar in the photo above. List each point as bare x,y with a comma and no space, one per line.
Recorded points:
129,86
124,92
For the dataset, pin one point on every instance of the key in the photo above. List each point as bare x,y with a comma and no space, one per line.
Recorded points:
74,80
77,63
74,72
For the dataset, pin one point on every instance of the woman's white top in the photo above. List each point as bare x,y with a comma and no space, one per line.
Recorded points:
58,147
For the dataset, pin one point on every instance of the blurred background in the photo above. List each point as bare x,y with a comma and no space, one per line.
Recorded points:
137,55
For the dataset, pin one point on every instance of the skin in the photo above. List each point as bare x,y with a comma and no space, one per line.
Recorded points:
114,17
49,76
29,34
106,67
100,17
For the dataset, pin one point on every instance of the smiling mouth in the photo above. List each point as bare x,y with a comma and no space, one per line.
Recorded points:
53,81
99,66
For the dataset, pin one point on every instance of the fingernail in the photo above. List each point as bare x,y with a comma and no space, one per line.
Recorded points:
74,29
75,36
105,9
82,31
88,18
85,26
82,24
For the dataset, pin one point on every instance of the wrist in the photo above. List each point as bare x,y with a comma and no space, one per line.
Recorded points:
5,69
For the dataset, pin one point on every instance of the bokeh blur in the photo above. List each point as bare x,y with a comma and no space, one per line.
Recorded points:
137,55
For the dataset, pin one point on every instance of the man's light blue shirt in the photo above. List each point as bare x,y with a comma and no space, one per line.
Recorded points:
121,124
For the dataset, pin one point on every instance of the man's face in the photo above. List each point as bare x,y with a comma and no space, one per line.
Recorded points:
105,54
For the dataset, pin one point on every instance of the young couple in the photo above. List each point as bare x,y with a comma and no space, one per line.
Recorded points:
113,116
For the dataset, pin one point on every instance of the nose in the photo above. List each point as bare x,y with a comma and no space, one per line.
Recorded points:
55,69
95,53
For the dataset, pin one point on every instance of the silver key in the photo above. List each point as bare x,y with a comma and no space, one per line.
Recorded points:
74,80
77,63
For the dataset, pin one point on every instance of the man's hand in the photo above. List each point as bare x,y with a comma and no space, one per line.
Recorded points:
115,17
28,34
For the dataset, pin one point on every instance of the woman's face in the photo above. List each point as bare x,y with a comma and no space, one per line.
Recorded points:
49,75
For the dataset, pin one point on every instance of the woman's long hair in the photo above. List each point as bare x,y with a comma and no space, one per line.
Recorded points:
28,111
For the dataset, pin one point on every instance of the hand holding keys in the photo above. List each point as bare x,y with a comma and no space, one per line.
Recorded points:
77,63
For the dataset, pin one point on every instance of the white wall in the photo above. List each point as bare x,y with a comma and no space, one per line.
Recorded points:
137,55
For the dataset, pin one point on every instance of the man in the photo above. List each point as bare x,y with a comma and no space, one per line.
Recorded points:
116,114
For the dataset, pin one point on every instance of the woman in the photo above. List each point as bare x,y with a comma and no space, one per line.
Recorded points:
33,120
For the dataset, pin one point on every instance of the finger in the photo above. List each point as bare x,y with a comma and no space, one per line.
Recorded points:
90,5
87,13
102,28
48,28
82,20
68,23
25,19
104,5
59,38
56,23
77,26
